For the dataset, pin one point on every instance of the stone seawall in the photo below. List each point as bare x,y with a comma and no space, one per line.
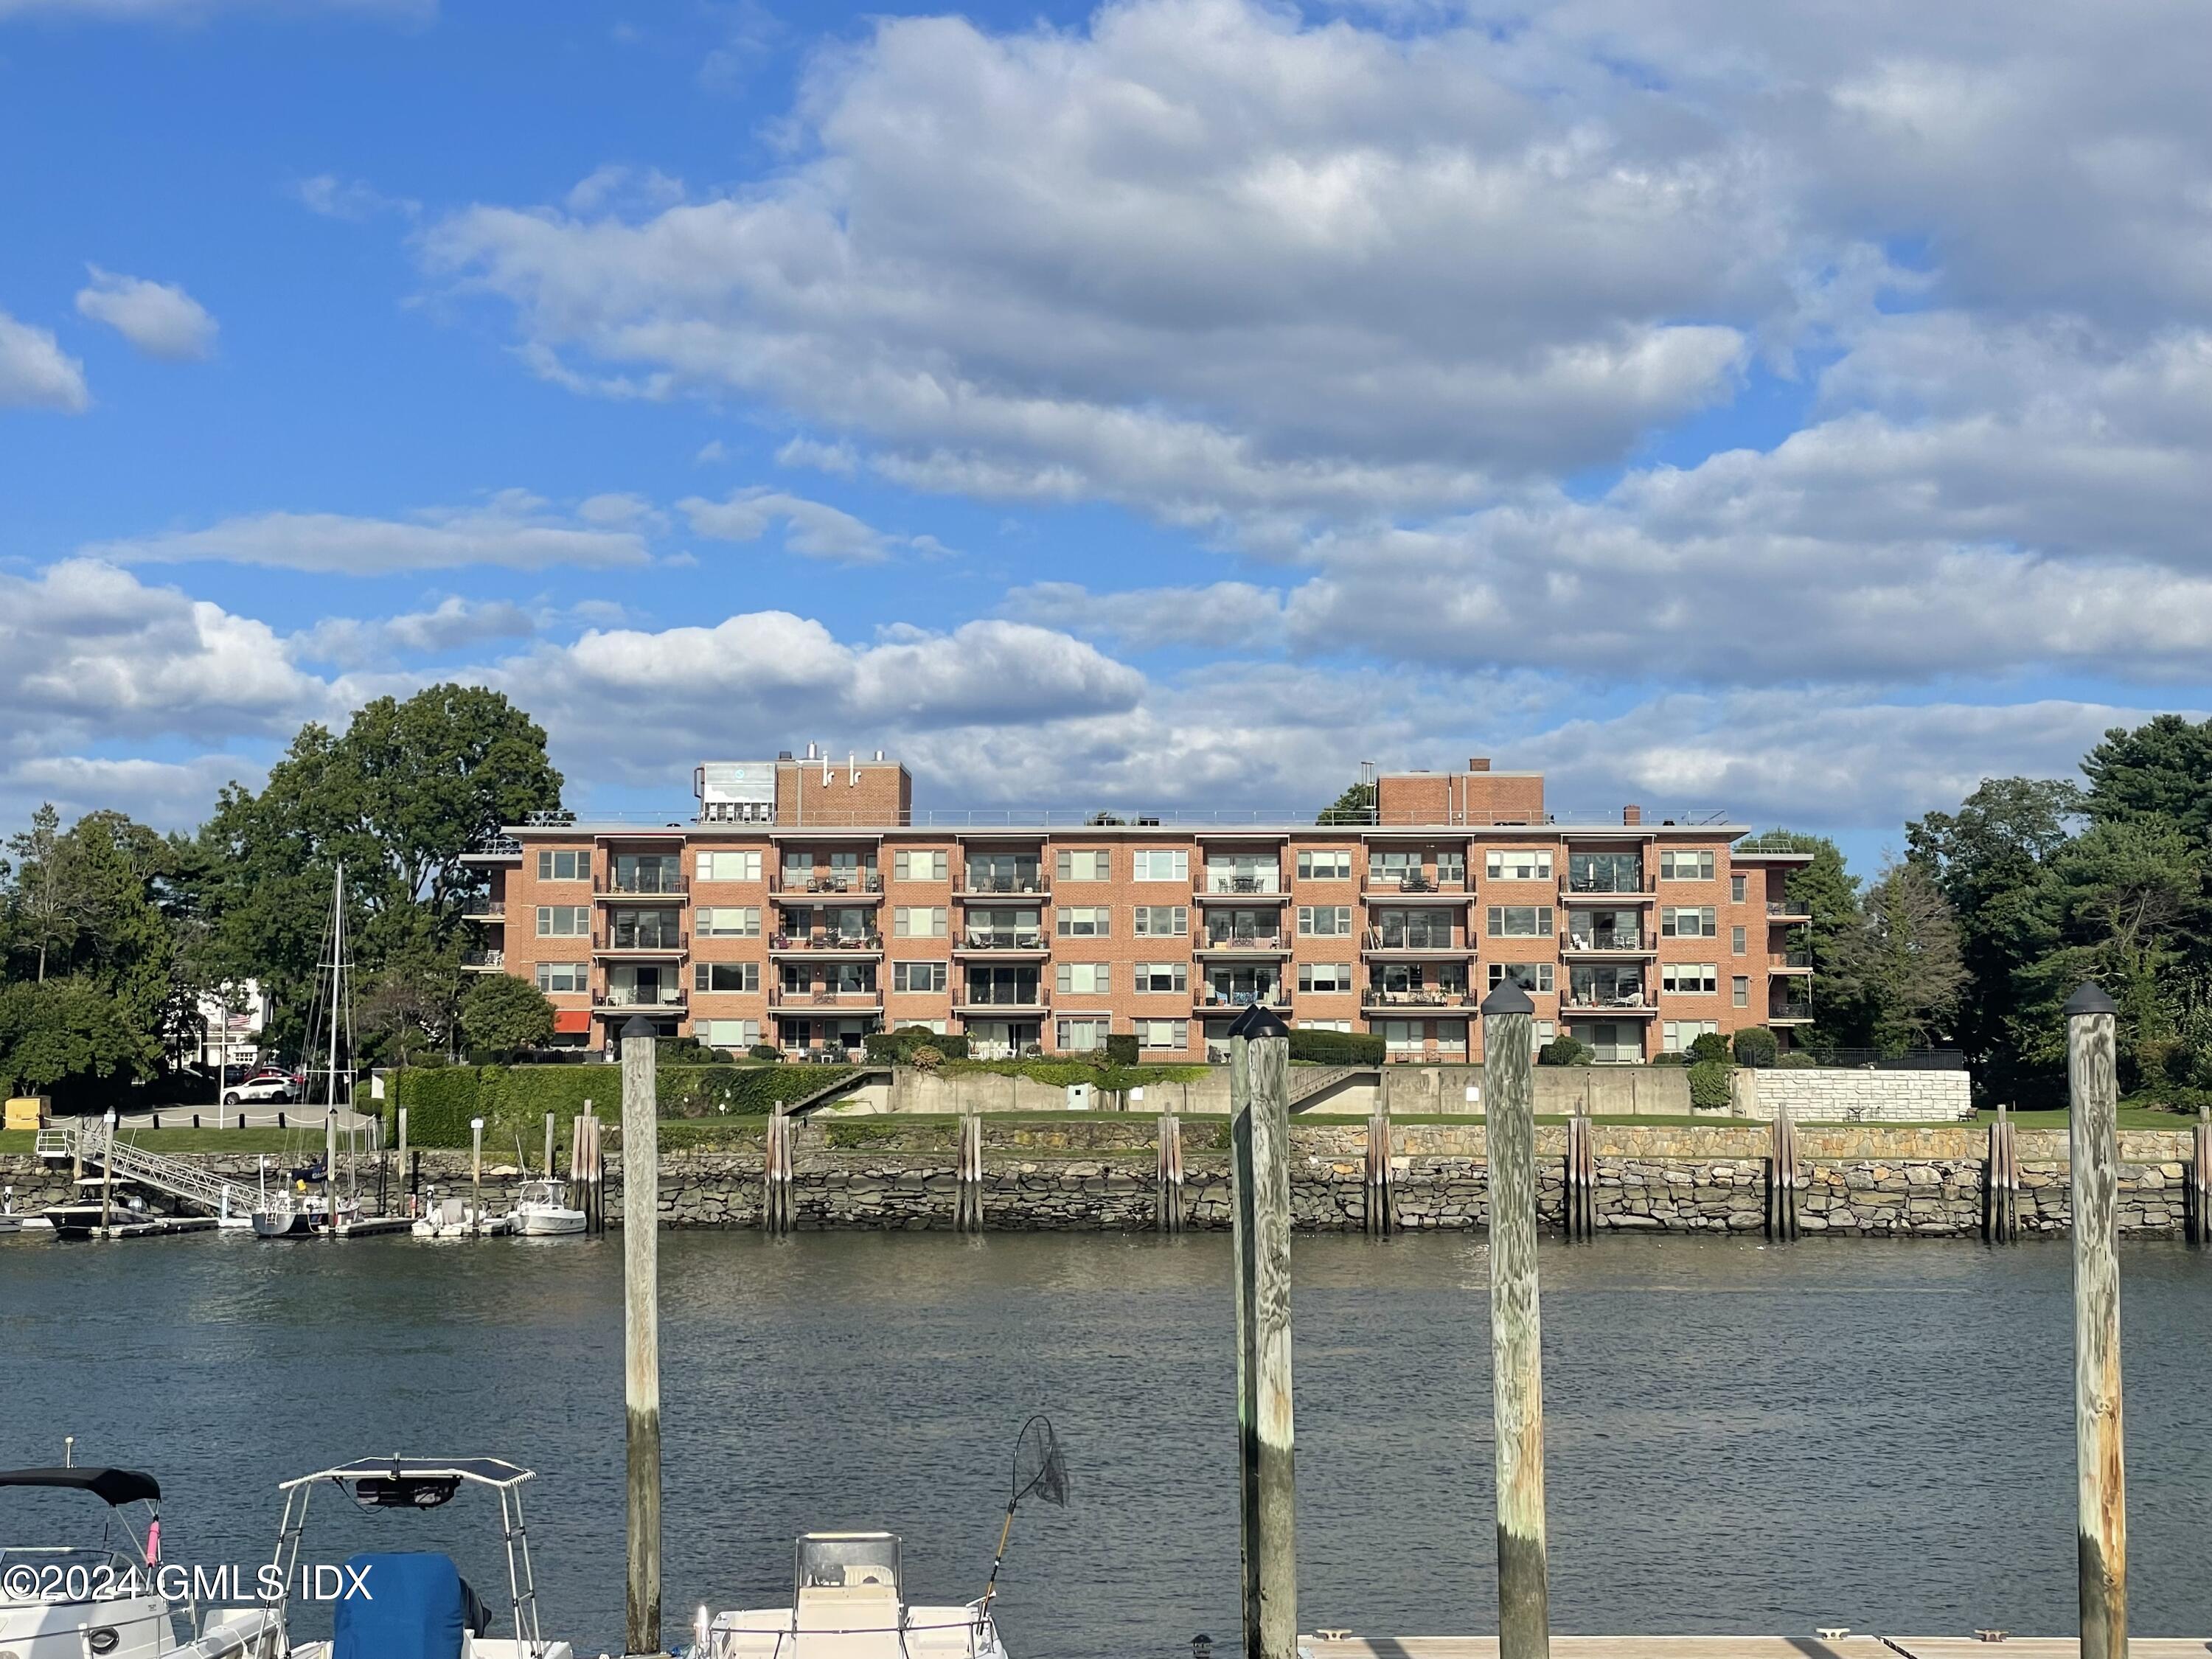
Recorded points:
1099,1174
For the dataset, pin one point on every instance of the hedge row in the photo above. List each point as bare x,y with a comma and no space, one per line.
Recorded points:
513,1101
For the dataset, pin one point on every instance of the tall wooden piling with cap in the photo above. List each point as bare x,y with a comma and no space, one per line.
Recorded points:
1580,1179
641,1149
1516,1344
1782,1177
969,1213
2000,1183
1382,1211
2200,1178
1167,1202
2100,1451
1259,1086
776,1175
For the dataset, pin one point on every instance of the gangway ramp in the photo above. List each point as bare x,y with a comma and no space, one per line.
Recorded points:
93,1143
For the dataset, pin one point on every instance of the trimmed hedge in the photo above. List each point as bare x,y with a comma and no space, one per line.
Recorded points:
513,1100
1756,1046
1709,1086
1336,1048
1567,1051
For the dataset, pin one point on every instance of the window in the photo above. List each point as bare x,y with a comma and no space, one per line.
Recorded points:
1243,872
1330,864
1675,1036
648,873
726,1033
1451,869
1085,921
1736,941
726,976
1161,920
1415,930
1164,1034
918,866
1394,867
564,867
727,866
1324,1026
1162,977
1688,924
918,922
1520,921
1739,889
1542,1032
1604,872
1084,978
564,921
1700,977
1404,1035
917,976
1161,864
1529,975
1325,921
1739,991
1517,864
1686,865
1077,1036
559,978
1325,977
1096,864
727,921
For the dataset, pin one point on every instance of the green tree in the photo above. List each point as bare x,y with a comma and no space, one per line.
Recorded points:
46,909
506,1015
2160,773
1355,805
1902,964
1827,891
60,1034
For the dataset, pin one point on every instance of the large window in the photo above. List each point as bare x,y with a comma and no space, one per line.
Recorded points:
1702,978
1243,872
1517,864
1158,977
1078,1037
1084,978
1605,872
727,921
1325,921
918,866
1683,864
1682,922
564,978
1675,1036
1001,872
1168,1034
1162,920
1084,921
1005,930
1325,977
564,921
645,930
726,866
1326,864
1088,864
1161,864
566,865
1529,975
918,922
726,976
1520,921
737,1035
1415,930
648,873
917,976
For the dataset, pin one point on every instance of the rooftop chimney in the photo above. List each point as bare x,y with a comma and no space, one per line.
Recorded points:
783,754
1480,763
1632,815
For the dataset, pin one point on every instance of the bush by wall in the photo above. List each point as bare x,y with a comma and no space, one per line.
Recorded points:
1567,1051
1708,1045
1336,1048
897,1047
1755,1046
1709,1086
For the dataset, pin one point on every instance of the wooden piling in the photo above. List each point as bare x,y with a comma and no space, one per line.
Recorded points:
776,1175
2000,1212
2093,1103
548,1145
968,1217
2200,1177
1260,1060
1517,1347
1381,1213
475,1177
1580,1179
399,1122
1782,1178
641,1149
1167,1199
107,1178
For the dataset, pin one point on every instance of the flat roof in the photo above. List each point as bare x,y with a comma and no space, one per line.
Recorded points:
960,827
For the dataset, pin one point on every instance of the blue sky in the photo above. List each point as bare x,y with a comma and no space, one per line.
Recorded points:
1176,402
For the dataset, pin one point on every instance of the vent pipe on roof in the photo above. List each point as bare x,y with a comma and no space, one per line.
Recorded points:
810,751
852,767
879,753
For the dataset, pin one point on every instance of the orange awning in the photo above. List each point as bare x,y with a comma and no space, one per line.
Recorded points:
572,1020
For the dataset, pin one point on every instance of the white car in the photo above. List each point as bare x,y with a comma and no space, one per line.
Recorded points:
274,1090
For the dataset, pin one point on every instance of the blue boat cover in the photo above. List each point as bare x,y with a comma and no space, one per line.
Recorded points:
417,1607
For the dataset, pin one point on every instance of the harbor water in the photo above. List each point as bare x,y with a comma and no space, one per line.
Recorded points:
1741,1437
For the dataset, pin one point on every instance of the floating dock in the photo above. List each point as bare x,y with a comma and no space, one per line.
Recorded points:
1746,1647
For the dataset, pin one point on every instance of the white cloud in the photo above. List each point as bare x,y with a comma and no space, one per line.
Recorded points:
1225,615
452,623
35,372
160,319
511,531
351,200
811,528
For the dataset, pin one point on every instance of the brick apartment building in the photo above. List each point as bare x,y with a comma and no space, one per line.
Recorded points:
806,904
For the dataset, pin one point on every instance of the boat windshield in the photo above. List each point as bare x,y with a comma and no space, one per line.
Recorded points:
839,1559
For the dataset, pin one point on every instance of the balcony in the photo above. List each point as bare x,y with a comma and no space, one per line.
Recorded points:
1002,1003
1415,885
661,942
484,910
1002,941
1789,1010
494,849
847,944
1207,996
629,999
812,1001
483,962
1380,941
1218,884
1608,941
971,886
1375,998
1788,961
1246,944
1631,1004
1588,890
861,886
640,886
1786,909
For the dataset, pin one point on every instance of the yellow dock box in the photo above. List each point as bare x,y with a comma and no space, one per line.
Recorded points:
28,1112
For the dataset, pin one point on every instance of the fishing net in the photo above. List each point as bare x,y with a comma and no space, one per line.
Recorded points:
1040,1470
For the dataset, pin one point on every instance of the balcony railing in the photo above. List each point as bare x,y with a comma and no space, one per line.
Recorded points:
1787,907
1243,942
665,942
821,999
1001,996
1598,886
1035,886
1593,1002
1609,938
1437,996
825,942
1268,886
483,962
1789,959
837,881
1789,1008
1391,881
485,911
1379,939
1003,939
641,883
631,996
1276,998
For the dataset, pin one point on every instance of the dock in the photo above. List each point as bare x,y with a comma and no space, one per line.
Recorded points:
157,1226
1745,1647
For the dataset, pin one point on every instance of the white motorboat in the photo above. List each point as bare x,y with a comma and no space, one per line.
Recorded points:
416,1605
455,1217
542,1210
848,1602
107,1598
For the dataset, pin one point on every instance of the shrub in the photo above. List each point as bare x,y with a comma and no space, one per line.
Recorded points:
1798,1059
1670,1057
506,1015
1709,1086
1336,1048
766,1051
1710,1046
1121,1050
1567,1051
1755,1046
925,1058
898,1048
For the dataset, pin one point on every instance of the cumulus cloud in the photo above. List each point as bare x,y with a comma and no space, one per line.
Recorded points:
512,531
811,528
1222,614
35,372
452,624
160,319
